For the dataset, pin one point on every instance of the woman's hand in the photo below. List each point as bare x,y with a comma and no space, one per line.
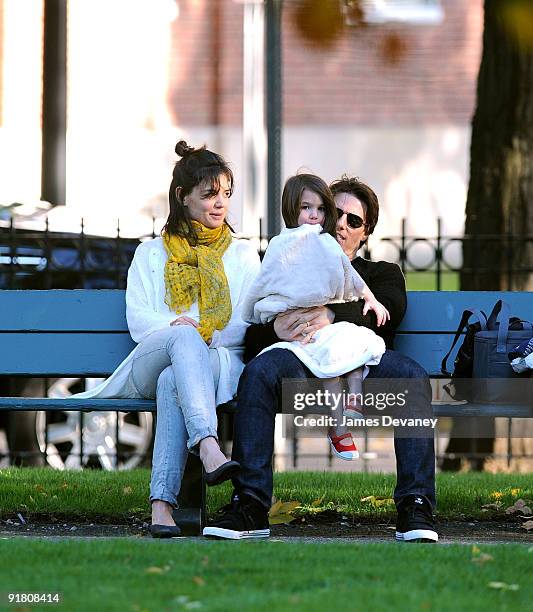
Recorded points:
302,323
185,321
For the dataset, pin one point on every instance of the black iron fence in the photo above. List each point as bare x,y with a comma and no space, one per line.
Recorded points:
438,258
49,259
31,259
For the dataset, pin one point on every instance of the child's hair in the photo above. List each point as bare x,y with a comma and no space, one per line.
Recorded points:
292,199
196,166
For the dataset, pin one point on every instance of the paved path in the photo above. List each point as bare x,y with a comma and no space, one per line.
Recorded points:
449,533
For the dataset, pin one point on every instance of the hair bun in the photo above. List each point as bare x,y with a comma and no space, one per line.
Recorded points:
183,149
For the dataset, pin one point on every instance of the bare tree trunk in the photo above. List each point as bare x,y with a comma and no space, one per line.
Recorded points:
499,208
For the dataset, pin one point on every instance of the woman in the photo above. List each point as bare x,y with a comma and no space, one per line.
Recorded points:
183,306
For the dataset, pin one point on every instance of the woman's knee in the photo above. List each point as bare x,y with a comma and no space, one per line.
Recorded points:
184,333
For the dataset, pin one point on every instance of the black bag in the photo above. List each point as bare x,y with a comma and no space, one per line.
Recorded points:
484,356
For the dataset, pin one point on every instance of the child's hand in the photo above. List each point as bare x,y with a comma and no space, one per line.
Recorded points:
382,314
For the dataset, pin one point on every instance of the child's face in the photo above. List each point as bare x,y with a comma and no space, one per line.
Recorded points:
312,210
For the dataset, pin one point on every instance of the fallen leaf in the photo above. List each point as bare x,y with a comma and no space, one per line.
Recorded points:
494,506
157,570
127,490
205,561
482,558
274,509
503,586
528,525
378,501
281,512
198,580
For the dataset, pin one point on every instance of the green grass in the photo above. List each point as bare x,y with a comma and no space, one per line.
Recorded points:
93,493
112,575
427,281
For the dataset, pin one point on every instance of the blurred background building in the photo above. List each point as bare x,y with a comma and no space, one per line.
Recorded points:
389,101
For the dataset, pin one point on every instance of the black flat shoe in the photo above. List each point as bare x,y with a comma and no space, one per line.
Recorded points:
224,472
165,531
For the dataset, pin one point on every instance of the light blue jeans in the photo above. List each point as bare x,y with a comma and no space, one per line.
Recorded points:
175,366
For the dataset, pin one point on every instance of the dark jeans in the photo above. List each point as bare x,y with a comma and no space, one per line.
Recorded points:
259,392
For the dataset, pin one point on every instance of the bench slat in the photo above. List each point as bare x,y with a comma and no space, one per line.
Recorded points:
481,410
440,311
427,350
133,405
81,309
49,354
64,310
46,403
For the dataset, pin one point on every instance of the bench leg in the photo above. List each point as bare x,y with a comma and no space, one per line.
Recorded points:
190,514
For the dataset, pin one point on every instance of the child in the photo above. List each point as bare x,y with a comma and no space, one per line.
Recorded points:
304,266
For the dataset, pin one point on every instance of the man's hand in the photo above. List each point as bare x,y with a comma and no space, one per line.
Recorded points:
302,323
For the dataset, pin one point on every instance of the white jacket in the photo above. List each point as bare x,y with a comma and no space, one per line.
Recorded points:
146,312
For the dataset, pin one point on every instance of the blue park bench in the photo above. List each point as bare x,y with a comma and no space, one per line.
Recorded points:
83,333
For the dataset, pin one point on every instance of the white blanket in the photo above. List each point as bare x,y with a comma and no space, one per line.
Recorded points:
337,349
303,268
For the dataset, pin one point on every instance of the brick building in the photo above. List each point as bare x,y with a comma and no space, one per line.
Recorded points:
390,102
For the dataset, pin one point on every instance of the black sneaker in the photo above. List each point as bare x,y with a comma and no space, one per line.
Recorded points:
244,518
415,522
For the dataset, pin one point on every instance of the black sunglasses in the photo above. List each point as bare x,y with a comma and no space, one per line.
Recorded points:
354,221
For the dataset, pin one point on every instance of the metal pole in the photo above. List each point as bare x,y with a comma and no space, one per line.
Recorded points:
254,123
54,105
273,91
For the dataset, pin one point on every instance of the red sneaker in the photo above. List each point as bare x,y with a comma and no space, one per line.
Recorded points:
348,452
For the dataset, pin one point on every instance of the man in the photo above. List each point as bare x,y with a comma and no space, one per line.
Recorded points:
259,389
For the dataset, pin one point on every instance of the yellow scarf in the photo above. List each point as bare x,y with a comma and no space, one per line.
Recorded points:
197,273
